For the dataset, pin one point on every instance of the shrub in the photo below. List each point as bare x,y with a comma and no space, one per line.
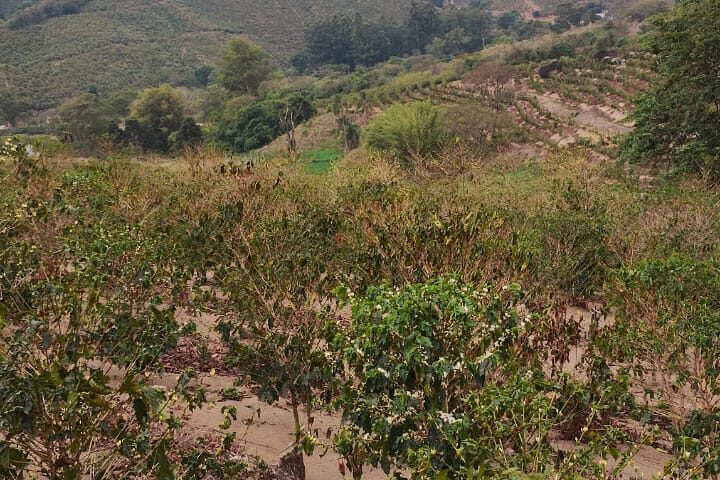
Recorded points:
646,9
86,301
438,382
562,49
408,132
159,112
568,248
85,119
409,358
676,121
667,334
15,150
262,122
189,134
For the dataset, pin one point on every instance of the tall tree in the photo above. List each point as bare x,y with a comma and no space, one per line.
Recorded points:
423,23
476,21
243,67
678,120
85,119
331,42
159,112
353,41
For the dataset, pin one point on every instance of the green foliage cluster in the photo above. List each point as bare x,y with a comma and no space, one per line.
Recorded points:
570,14
25,166
93,254
352,41
437,383
84,119
409,132
408,361
646,9
676,121
43,10
159,112
153,119
584,45
243,67
10,6
189,135
263,121
355,41
84,297
13,101
668,329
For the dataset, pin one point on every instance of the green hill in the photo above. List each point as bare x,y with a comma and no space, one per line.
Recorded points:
112,44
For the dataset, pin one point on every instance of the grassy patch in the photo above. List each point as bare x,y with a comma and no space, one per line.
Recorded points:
321,161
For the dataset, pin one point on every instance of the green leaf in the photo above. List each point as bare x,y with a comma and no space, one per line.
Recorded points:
141,412
12,460
71,473
163,469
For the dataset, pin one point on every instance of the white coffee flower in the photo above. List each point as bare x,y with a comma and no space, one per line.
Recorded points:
448,418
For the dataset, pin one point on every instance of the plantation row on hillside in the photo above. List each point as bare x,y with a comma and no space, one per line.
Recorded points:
106,265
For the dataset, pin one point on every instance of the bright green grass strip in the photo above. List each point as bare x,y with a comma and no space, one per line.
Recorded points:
321,161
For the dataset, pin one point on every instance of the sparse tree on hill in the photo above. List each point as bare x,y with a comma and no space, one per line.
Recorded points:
243,67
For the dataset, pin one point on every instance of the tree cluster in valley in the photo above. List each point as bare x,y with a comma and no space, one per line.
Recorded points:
153,120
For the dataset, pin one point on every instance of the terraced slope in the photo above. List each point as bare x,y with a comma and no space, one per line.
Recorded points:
113,44
507,109
587,104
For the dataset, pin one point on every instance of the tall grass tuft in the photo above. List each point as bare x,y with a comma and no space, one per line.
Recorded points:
408,132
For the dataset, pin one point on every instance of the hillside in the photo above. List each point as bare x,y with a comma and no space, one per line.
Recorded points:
132,43
61,48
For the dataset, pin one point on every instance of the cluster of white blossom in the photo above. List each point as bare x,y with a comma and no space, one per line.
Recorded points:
448,418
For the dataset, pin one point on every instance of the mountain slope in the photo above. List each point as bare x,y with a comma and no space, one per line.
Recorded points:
112,44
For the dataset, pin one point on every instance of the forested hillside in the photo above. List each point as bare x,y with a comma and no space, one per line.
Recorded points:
113,44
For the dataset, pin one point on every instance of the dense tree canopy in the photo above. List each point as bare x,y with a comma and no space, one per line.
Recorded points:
159,112
43,10
355,40
263,121
679,119
189,135
243,67
423,23
343,40
85,119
